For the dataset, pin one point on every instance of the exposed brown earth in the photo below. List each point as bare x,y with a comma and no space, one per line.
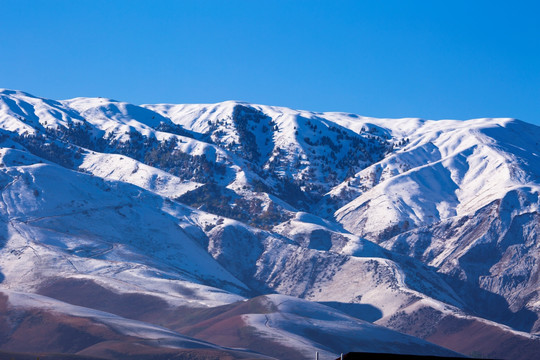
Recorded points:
223,325
479,339
4,355
385,356
27,333
141,351
87,293
35,330
466,336
227,328
220,325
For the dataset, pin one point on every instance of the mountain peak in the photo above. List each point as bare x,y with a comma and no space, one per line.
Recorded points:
301,231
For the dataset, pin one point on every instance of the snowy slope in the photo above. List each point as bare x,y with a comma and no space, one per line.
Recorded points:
138,337
448,168
409,223
294,328
128,170
57,221
463,198
285,143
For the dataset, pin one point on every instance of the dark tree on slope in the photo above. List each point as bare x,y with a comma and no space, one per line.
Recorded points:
225,202
43,147
147,149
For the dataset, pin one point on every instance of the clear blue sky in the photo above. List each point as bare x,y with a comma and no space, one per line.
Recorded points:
431,59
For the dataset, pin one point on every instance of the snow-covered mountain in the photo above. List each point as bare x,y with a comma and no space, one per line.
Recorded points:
250,231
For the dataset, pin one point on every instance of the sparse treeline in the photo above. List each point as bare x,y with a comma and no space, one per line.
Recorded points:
329,158
64,145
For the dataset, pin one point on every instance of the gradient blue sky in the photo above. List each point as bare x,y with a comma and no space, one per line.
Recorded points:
430,59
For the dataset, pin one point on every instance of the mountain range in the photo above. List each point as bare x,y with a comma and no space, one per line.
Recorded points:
243,231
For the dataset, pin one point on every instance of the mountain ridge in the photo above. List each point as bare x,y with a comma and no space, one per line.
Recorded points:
205,205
